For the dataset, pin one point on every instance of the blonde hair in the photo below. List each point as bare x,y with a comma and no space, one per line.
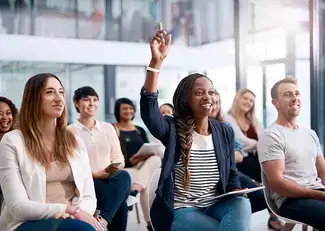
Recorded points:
250,115
274,89
30,125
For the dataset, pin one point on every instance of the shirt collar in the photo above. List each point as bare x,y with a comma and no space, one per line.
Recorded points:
80,126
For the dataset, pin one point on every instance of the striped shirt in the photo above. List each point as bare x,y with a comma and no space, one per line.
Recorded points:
204,175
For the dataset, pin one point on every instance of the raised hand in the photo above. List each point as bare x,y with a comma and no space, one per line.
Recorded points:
159,46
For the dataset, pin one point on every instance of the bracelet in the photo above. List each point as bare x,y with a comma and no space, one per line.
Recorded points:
153,69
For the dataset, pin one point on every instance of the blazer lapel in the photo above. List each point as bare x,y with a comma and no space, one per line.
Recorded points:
219,153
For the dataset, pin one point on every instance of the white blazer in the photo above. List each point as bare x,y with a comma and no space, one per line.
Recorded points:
23,183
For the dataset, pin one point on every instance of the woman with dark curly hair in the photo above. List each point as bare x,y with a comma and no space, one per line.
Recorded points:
199,162
8,115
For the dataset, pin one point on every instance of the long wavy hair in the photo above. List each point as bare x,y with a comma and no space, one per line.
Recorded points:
31,123
185,125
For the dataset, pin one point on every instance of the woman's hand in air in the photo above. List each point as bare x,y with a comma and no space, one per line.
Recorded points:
159,45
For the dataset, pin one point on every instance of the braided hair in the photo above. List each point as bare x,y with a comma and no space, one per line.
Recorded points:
185,121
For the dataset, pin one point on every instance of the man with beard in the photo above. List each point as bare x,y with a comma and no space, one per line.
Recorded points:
292,160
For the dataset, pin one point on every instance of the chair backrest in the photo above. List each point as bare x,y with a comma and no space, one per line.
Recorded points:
267,194
153,186
270,202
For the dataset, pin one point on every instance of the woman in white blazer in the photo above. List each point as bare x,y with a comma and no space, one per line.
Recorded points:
44,169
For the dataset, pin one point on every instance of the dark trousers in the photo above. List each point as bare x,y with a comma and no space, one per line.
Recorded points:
111,196
55,225
307,211
256,198
251,167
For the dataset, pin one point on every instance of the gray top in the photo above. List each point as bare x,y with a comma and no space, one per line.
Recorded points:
299,148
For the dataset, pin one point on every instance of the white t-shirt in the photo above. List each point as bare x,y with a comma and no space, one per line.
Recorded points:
205,176
299,148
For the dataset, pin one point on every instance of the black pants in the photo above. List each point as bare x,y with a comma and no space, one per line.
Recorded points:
111,196
308,211
251,167
256,198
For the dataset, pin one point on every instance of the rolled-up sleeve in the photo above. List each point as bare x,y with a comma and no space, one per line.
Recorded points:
151,115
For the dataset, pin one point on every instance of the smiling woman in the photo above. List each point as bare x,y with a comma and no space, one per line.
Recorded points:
44,160
8,116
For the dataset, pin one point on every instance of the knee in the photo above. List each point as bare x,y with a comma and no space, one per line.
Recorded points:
124,176
155,161
243,205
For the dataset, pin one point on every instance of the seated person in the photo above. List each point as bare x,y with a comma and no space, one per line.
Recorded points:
247,129
292,160
44,169
112,185
132,137
8,118
257,199
166,109
198,164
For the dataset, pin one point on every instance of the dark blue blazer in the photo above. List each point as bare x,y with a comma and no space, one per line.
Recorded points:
164,129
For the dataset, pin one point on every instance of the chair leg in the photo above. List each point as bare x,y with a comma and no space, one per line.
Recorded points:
288,227
137,213
304,228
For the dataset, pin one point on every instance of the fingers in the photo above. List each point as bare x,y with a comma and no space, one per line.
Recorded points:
97,225
63,216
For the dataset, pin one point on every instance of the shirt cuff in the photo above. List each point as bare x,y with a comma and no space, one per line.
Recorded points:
146,93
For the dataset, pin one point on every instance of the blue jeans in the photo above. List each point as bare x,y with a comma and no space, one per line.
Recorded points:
111,196
55,225
308,211
230,214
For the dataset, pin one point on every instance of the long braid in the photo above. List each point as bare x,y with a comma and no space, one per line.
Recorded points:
185,128
185,122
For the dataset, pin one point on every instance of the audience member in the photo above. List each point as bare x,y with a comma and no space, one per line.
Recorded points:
199,158
44,169
242,118
112,185
292,160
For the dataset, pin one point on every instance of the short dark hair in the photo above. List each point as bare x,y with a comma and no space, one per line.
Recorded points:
167,104
83,92
13,109
118,106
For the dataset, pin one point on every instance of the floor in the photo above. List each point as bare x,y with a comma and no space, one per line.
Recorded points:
258,223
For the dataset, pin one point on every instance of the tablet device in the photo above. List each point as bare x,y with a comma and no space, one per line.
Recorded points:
241,192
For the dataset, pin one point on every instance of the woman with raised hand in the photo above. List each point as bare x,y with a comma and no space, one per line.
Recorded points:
199,162
44,169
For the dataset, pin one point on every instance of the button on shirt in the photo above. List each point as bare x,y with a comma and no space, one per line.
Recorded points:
102,144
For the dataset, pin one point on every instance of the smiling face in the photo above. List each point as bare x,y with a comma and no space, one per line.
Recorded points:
87,106
6,117
215,107
287,101
166,110
201,97
246,101
52,99
126,112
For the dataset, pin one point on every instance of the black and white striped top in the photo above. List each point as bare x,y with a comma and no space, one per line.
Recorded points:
204,175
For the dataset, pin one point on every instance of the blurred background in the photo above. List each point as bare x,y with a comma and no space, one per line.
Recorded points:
104,44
